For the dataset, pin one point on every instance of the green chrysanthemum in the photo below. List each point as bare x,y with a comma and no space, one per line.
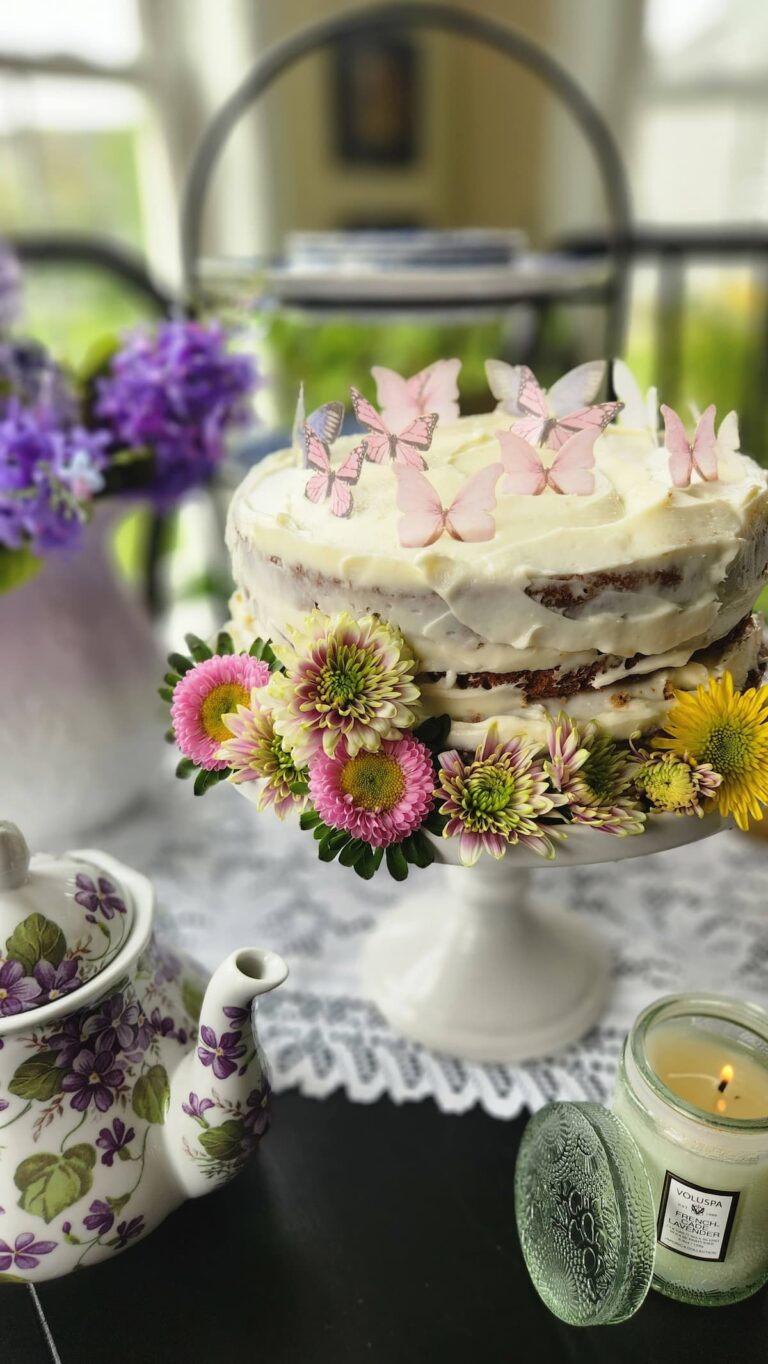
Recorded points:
495,800
673,784
347,679
592,773
256,752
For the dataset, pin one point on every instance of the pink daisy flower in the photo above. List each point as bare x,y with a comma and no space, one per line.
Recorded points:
380,797
204,696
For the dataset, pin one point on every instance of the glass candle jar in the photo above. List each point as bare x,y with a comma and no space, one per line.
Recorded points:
692,1090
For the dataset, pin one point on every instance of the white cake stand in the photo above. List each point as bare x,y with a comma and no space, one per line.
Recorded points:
470,964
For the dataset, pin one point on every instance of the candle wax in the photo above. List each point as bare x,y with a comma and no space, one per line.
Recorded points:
709,1071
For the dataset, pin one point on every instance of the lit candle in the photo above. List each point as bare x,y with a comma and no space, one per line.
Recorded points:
693,1091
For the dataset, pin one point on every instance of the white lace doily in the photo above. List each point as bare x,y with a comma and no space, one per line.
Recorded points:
695,918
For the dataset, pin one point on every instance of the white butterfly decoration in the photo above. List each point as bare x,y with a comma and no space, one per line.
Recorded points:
701,453
434,389
469,516
550,417
640,413
325,421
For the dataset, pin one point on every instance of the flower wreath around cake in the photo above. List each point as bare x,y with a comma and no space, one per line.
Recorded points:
333,719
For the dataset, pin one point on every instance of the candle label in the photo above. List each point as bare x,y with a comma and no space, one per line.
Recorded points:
695,1222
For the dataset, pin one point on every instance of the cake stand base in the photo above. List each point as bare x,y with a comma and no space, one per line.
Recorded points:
476,968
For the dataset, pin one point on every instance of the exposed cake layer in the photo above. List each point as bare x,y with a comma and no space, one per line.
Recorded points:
638,570
621,705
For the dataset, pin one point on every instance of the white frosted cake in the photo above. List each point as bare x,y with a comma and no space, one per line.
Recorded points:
598,604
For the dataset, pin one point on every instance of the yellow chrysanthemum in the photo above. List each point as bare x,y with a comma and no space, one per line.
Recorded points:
729,730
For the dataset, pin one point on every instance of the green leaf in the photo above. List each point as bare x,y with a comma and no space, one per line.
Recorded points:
224,643
224,1142
180,663
434,732
185,768
205,780
198,648
172,679
36,939
166,693
350,853
369,863
396,862
309,819
192,998
17,566
116,1205
51,1183
332,844
152,1095
170,736
420,850
435,823
299,788
262,649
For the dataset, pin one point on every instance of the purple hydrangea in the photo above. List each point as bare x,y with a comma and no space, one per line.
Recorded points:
221,1053
46,476
175,391
112,1140
25,1252
10,287
18,991
30,376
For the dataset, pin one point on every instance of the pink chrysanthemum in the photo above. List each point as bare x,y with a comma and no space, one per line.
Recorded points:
381,797
202,698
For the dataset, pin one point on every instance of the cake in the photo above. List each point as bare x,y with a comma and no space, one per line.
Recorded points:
600,605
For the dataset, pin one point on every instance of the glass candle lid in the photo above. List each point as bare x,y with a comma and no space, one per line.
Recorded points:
585,1214
62,920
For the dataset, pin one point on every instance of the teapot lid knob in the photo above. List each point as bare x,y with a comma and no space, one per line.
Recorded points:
14,856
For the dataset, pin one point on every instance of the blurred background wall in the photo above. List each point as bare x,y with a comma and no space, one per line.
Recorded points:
102,107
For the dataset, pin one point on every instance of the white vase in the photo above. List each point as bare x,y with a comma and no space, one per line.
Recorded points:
80,720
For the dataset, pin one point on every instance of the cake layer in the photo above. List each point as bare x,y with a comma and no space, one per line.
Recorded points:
622,706
638,568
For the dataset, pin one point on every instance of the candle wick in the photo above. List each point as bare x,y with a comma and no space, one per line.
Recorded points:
723,1085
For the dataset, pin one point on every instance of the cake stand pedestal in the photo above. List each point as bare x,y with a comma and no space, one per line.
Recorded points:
476,966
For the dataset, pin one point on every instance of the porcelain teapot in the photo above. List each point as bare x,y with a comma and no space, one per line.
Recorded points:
127,1083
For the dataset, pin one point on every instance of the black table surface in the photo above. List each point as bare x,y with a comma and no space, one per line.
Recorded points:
360,1233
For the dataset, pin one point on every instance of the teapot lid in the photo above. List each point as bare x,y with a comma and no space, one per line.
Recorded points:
62,921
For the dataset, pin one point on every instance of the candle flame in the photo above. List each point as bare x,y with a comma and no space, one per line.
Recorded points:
726,1074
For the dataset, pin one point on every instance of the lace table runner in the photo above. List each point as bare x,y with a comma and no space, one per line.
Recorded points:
696,918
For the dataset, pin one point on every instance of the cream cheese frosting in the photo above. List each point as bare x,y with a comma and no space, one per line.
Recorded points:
662,568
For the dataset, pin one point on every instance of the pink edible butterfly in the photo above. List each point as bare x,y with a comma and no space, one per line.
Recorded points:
569,473
686,455
381,442
549,418
433,389
328,482
425,519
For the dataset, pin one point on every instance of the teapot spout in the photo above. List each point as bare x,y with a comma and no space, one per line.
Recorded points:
220,1093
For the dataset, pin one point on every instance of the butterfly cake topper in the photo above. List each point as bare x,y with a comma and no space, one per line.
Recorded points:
468,518
570,473
550,417
434,389
325,421
327,482
405,447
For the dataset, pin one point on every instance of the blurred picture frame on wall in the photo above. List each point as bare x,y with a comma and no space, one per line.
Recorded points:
376,100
